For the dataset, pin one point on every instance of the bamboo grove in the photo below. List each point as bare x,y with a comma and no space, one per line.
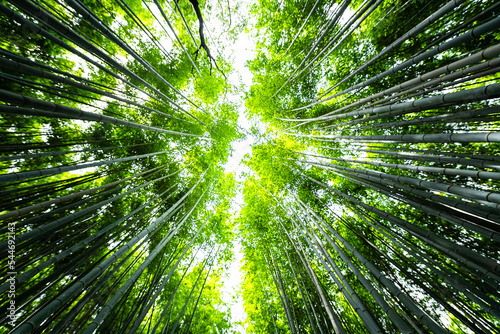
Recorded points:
114,202
372,205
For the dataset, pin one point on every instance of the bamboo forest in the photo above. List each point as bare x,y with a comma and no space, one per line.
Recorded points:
340,157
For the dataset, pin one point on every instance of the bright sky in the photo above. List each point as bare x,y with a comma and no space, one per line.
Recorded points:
239,53
240,148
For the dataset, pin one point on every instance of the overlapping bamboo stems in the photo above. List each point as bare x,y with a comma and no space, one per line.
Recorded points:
41,191
469,116
134,312
334,320
131,281
357,304
486,212
19,176
69,78
318,314
42,230
384,281
35,270
339,279
177,37
455,281
40,219
362,12
489,198
53,110
387,148
42,145
74,195
468,220
423,277
190,322
456,252
474,33
489,52
293,215
333,21
136,19
38,289
415,274
448,73
45,312
438,170
74,37
166,279
56,92
176,324
463,159
184,21
145,294
84,301
308,312
57,153
30,70
439,268
44,33
159,22
463,219
49,227
457,98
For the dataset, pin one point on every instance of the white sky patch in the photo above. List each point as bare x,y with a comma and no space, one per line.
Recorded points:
240,52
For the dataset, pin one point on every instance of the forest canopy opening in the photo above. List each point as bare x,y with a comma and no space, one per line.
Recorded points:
355,168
